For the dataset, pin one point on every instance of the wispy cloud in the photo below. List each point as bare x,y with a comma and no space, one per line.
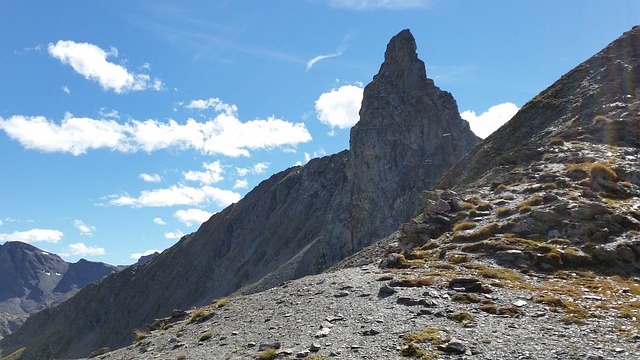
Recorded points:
379,4
33,235
340,107
224,134
159,221
91,62
339,51
85,229
489,121
152,178
176,195
192,217
313,61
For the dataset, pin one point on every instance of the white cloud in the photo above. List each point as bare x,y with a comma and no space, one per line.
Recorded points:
85,229
313,61
80,249
489,121
241,184
90,61
224,134
152,178
191,217
258,168
379,4
174,234
214,103
177,195
212,174
33,235
137,256
340,107
73,135
1,222
159,221
66,89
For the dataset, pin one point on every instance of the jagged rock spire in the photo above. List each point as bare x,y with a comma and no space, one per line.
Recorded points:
409,132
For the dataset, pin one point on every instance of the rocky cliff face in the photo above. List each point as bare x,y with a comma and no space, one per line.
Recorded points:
297,222
32,279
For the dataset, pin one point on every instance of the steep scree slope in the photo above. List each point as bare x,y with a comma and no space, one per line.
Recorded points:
297,222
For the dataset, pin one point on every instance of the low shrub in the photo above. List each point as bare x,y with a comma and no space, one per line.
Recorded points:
465,225
602,171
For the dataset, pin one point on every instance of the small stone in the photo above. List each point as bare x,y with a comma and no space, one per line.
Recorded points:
315,347
386,290
341,293
302,354
274,345
322,332
453,347
234,333
519,303
370,332
251,344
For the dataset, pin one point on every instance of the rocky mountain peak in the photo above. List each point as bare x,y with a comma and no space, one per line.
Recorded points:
298,222
401,63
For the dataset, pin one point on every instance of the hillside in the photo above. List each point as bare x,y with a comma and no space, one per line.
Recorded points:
32,279
296,223
529,249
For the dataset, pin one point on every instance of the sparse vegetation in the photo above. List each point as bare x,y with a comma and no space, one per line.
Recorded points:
601,120
556,141
218,303
268,354
181,357
462,317
602,171
434,336
504,212
206,336
316,357
412,350
465,298
465,225
139,335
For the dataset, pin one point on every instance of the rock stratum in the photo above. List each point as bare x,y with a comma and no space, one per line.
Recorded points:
297,222
32,279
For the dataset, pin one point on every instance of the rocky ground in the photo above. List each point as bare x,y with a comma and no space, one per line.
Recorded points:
537,262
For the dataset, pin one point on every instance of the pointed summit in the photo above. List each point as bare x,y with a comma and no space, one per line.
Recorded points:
401,63
409,133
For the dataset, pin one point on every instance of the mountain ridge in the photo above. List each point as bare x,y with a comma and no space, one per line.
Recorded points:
32,279
297,222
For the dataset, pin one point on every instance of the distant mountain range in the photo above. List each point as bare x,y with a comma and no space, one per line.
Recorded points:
32,279
555,189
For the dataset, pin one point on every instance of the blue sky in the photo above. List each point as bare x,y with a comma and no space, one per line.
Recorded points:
125,124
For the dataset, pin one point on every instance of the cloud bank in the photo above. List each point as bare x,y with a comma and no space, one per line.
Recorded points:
90,61
177,195
225,134
33,235
489,121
